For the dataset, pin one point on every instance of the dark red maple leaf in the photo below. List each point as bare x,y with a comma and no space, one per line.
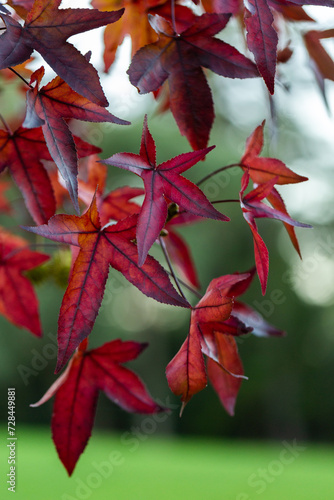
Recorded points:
263,169
179,58
46,30
161,182
135,23
22,151
18,301
186,373
215,320
253,207
262,34
49,107
77,391
99,248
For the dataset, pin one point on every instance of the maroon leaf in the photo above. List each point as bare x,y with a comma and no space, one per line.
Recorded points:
77,392
18,301
179,58
262,39
22,151
163,181
46,30
49,107
99,248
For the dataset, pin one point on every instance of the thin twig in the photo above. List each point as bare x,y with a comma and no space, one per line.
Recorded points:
217,172
163,246
20,76
225,201
173,15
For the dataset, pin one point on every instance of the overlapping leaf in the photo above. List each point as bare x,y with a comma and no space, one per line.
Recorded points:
161,182
99,248
22,151
46,30
261,169
18,301
49,107
135,23
76,393
179,58
215,320
262,34
253,207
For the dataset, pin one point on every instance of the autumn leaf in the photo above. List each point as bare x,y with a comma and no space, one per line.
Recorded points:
261,169
46,30
134,23
22,151
262,39
261,30
99,248
76,393
163,181
253,207
49,107
215,320
185,373
18,302
179,58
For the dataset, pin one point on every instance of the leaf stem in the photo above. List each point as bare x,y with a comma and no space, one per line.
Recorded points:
217,172
20,76
5,124
173,15
164,249
225,201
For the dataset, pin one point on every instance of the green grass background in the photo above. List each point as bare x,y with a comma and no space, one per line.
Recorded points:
168,469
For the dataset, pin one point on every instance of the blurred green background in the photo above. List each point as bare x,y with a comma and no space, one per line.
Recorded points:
288,397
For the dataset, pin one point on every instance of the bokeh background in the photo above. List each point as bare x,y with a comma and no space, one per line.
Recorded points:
288,398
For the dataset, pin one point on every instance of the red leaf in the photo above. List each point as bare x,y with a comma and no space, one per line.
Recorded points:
262,39
18,301
22,151
99,248
77,393
180,255
163,181
220,375
178,58
46,30
186,371
252,207
262,170
50,107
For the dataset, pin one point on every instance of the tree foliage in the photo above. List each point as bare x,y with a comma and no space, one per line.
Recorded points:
173,47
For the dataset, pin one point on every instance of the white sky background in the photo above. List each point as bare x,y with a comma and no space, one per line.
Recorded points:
308,201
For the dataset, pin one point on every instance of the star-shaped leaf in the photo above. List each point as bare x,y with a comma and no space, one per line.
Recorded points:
49,107
99,248
22,151
161,182
179,58
46,30
76,392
